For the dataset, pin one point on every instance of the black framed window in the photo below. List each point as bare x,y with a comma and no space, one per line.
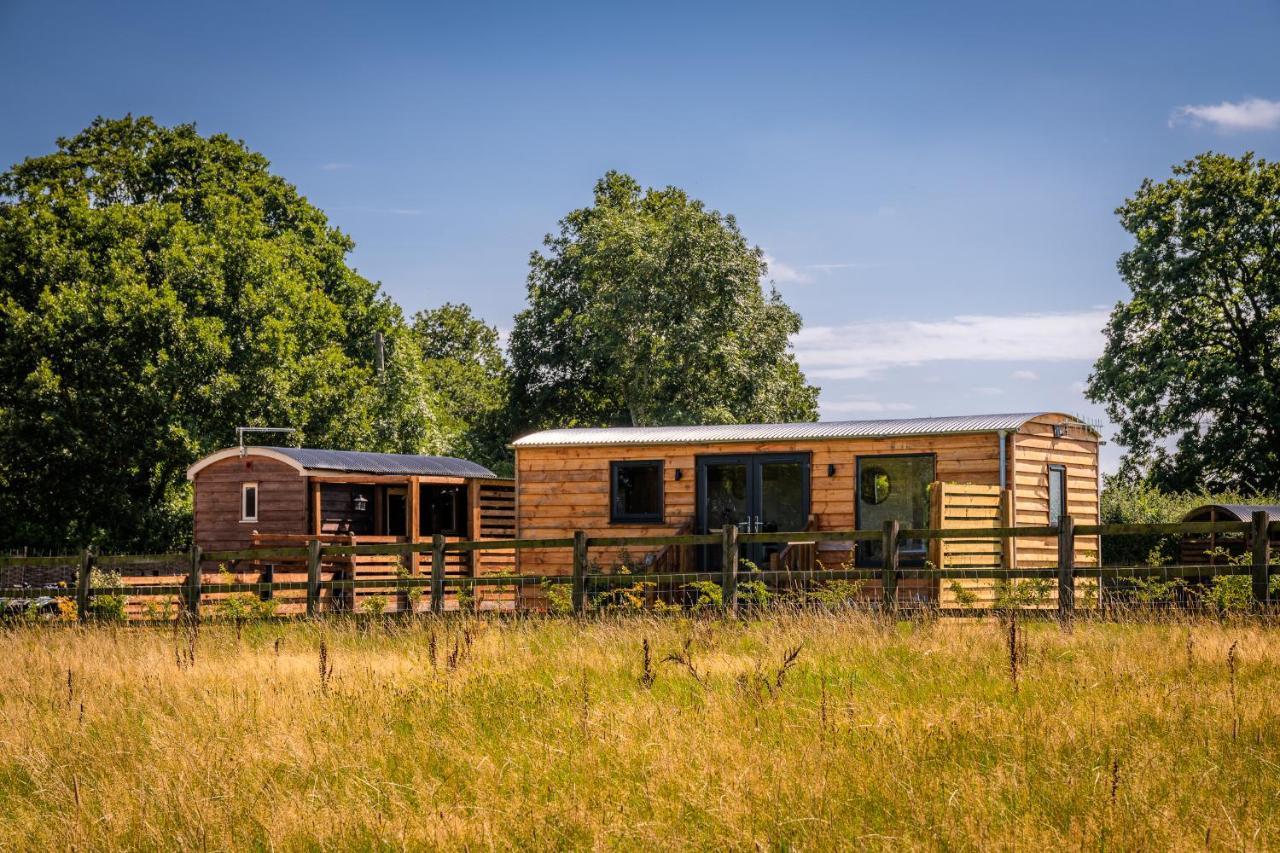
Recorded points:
635,492
1057,493
249,502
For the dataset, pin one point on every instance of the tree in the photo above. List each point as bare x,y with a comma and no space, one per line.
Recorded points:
464,363
647,309
157,289
1191,369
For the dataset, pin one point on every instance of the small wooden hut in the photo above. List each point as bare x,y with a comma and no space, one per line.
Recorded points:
1216,548
247,497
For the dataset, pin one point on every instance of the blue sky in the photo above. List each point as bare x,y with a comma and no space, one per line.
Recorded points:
935,183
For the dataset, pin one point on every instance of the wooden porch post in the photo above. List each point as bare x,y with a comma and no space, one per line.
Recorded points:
475,521
316,519
411,508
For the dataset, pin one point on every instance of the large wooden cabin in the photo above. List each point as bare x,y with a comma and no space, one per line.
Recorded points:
248,497
986,470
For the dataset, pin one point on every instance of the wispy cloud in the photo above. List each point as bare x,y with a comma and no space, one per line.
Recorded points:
858,350
1249,114
784,273
1024,375
391,211
861,405
844,266
787,274
335,167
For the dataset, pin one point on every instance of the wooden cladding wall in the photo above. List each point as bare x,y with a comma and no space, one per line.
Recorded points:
282,501
967,506
493,508
567,489
1035,448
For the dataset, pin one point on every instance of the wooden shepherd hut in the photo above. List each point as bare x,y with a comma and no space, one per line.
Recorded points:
973,471
249,497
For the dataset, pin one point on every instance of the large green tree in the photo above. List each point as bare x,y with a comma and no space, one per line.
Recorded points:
1191,370
647,308
463,361
157,289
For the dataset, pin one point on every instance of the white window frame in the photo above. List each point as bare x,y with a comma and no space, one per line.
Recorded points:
257,495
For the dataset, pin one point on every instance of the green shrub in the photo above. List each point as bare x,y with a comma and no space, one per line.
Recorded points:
559,597
709,594
1138,503
1229,593
106,608
374,605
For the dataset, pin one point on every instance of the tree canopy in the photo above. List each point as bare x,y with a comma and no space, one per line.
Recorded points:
647,308
463,361
1191,369
159,288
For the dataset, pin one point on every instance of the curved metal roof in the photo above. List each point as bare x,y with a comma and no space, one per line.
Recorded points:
775,432
1242,512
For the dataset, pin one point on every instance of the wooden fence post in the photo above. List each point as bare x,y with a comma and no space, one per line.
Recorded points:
1066,568
579,591
729,567
889,574
82,584
313,577
267,580
1261,556
437,574
194,582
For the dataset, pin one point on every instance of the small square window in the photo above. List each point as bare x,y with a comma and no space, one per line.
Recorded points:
635,493
249,502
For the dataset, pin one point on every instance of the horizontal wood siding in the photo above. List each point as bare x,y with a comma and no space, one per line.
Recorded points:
1035,448
282,501
565,489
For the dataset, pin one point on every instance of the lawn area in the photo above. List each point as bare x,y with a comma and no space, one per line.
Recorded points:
548,734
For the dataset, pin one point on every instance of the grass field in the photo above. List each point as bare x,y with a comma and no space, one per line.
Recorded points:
548,734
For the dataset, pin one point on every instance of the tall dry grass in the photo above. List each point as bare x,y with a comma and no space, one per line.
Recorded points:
550,734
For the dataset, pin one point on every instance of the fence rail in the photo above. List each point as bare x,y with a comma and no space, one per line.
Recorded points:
1256,533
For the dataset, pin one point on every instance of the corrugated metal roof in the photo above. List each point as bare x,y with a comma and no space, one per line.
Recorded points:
357,461
774,432
1242,512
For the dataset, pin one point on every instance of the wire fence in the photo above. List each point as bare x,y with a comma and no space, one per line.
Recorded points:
324,578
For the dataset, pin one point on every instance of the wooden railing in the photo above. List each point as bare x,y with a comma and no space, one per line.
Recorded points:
797,556
1256,533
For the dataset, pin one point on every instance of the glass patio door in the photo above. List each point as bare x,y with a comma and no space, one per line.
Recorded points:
760,493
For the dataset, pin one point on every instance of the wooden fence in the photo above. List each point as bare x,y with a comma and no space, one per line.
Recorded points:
1256,533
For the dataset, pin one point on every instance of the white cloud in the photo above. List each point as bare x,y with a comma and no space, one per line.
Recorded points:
858,350
842,266
780,272
861,406
1249,114
1024,375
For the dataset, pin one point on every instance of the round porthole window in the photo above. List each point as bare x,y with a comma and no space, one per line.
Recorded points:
875,485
